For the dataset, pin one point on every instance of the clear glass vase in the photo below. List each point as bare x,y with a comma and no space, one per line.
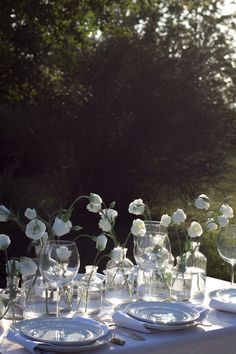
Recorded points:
181,281
197,264
11,298
90,291
119,281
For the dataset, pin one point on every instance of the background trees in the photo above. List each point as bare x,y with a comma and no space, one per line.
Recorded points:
122,98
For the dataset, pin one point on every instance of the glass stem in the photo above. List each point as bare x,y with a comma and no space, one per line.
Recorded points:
232,274
58,303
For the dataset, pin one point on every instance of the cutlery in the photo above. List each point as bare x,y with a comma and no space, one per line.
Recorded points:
131,334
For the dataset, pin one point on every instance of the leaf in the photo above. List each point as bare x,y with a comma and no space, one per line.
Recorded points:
77,228
112,205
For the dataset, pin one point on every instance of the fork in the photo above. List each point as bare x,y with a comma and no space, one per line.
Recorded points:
114,339
132,335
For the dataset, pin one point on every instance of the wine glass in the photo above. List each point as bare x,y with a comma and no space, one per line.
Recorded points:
226,245
59,263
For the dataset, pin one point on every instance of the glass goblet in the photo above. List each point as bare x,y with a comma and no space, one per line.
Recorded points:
59,263
226,245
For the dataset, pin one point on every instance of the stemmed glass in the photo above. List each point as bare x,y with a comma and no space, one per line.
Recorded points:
59,263
226,245
152,251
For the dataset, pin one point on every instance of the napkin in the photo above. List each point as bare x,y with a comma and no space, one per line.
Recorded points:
219,304
124,320
19,338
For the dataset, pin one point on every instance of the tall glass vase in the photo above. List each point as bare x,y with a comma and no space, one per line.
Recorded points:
152,253
119,281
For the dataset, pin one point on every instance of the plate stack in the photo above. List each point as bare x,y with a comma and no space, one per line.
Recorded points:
65,334
164,316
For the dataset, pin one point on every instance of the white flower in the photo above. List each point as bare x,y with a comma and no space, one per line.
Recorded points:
227,211
107,219
211,225
202,202
4,242
35,229
12,267
45,237
138,228
109,214
165,220
30,214
61,227
137,207
105,225
27,267
95,203
223,220
63,253
195,229
179,216
101,242
4,213
117,254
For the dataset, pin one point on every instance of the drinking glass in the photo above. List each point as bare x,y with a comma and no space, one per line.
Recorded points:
59,263
226,245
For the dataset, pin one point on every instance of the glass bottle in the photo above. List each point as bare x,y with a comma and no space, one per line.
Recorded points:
90,291
197,264
11,297
119,281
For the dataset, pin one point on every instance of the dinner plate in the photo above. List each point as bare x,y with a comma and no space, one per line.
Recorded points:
226,295
162,313
75,349
63,331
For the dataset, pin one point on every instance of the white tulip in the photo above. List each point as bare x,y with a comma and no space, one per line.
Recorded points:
165,220
4,242
138,228
27,267
223,220
35,229
117,254
4,213
94,208
227,211
61,227
63,253
109,214
95,199
195,229
105,225
30,214
101,242
211,225
202,202
179,216
137,207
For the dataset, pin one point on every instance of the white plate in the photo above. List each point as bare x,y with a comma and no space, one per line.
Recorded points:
226,295
63,331
162,312
75,349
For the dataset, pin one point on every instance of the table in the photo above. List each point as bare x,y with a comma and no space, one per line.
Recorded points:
219,338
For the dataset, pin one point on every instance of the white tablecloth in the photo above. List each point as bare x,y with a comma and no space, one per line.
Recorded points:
220,338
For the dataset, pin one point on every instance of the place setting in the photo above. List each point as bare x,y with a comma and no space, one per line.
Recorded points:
60,334
149,316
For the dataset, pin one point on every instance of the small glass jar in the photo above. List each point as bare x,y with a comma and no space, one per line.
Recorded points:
119,284
181,280
89,295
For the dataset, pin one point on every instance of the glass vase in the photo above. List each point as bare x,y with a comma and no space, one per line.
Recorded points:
90,291
181,281
11,298
197,263
119,281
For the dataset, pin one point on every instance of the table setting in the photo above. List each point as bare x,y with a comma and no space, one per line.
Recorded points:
159,299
